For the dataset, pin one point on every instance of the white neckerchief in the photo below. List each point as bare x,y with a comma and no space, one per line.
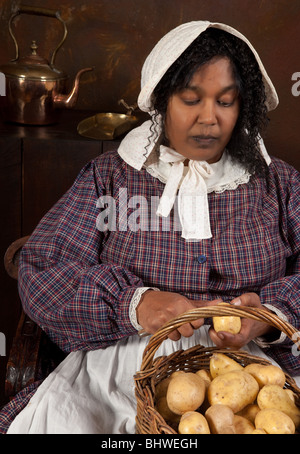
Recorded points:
192,195
191,184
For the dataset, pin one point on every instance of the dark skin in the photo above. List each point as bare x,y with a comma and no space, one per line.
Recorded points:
156,308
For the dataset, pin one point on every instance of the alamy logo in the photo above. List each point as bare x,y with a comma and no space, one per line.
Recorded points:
2,85
137,213
296,85
2,345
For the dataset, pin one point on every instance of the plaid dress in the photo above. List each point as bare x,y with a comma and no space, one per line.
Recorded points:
101,241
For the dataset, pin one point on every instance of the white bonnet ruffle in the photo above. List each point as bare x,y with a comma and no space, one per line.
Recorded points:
172,45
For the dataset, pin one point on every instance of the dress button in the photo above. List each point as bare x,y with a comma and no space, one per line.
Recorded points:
201,259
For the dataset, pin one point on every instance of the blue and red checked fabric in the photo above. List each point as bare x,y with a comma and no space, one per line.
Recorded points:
77,282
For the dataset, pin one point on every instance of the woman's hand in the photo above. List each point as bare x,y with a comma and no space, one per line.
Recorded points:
249,330
157,308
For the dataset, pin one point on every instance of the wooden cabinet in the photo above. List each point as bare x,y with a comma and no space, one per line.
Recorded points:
49,169
10,208
37,165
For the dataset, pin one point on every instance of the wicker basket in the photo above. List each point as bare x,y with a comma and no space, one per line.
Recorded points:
153,371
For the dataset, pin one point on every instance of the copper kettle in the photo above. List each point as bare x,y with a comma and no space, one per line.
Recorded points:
35,89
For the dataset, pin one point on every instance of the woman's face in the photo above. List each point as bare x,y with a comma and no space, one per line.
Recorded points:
200,118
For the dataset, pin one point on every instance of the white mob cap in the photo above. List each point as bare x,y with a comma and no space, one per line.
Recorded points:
172,45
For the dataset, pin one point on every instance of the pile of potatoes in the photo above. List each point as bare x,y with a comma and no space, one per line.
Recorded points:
228,399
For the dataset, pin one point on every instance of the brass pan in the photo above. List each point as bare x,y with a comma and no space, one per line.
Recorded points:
108,126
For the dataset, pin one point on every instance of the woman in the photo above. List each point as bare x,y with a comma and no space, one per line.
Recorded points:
190,211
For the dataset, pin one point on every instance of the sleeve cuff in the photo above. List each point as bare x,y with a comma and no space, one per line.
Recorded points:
134,303
261,341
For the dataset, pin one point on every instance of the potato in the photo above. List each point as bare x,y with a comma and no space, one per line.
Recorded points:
249,412
228,323
235,389
177,372
266,374
186,392
220,364
274,421
161,388
259,432
163,409
291,395
220,419
205,374
193,422
242,425
273,396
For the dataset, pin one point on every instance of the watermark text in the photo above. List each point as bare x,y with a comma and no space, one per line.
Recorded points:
296,85
2,344
2,85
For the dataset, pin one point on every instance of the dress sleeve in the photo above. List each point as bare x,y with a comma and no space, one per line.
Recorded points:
283,294
79,302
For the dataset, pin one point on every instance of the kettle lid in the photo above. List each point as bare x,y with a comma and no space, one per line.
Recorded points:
33,67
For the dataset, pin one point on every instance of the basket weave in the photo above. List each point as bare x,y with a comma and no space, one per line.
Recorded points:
153,371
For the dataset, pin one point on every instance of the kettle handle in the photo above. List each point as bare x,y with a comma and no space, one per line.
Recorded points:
37,12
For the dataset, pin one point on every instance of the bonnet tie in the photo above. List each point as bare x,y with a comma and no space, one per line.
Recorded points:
193,210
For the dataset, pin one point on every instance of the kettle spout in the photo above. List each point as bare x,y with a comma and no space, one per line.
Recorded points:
69,100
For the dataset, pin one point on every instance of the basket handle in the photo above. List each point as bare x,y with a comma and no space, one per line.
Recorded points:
261,315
